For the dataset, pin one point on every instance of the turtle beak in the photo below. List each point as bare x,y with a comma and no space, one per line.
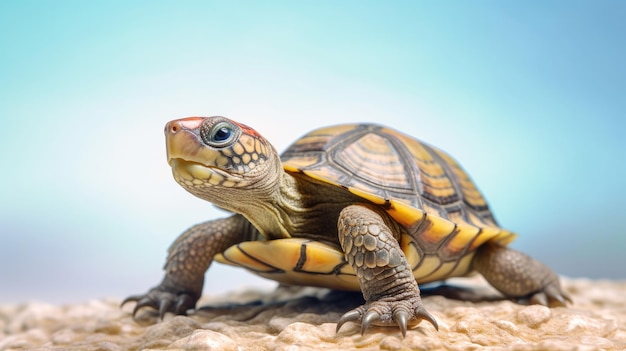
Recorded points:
182,138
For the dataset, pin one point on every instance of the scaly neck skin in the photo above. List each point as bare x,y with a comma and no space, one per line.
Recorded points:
273,213
299,207
268,197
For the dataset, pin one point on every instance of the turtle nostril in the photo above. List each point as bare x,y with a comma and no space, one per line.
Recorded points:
172,127
183,124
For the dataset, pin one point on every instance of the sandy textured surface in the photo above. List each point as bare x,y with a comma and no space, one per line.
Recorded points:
304,319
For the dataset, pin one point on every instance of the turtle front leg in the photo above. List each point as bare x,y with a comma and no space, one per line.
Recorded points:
189,256
519,276
391,294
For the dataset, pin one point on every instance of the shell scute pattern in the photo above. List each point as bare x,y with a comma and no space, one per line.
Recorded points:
420,186
301,260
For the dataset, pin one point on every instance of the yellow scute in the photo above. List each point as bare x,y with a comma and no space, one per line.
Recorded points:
284,254
323,265
295,164
404,213
321,258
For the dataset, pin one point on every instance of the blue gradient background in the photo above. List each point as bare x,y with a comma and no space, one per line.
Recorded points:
528,96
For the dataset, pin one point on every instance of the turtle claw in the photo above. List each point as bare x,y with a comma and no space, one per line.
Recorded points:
163,301
539,299
380,313
184,302
401,317
351,316
557,296
132,298
370,317
141,301
423,314
551,295
164,306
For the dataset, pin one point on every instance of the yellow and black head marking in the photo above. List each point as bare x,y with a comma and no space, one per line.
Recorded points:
214,151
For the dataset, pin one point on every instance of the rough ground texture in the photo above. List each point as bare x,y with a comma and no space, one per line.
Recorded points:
304,319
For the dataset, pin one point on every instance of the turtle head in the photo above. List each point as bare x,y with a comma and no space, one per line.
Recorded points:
222,161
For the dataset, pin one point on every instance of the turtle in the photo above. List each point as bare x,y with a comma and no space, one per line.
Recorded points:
359,207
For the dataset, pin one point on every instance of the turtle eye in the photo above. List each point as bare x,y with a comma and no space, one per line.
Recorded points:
222,135
219,135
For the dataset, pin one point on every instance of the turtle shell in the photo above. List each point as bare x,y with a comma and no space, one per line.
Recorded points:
425,190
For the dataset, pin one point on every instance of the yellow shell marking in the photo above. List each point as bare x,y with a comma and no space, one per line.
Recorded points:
468,188
443,271
464,266
438,229
429,264
407,244
296,164
367,196
404,213
233,254
372,157
294,261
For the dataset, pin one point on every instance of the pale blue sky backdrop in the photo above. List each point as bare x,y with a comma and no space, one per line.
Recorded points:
530,97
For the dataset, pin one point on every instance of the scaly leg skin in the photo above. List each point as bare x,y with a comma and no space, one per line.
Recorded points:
391,294
519,276
189,256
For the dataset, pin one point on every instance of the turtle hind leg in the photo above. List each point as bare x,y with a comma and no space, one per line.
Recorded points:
519,276
385,277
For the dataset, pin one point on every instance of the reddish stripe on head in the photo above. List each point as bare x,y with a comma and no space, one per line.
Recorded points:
190,122
247,130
